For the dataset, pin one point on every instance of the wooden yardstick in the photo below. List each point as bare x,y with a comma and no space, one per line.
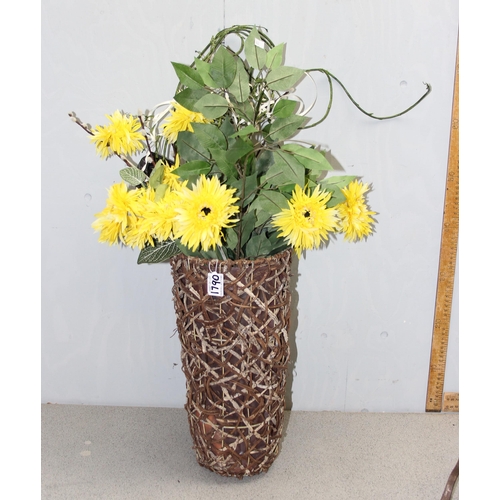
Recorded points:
446,273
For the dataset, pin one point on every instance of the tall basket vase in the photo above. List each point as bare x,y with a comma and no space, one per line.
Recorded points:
235,353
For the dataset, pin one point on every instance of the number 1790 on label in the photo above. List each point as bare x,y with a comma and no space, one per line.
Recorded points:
215,284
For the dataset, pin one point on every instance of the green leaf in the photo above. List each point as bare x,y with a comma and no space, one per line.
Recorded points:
237,149
334,185
274,57
203,68
226,127
211,106
157,175
255,51
248,189
313,176
160,191
284,128
270,201
226,166
287,188
240,87
231,239
244,110
133,176
278,243
286,169
192,168
258,246
262,218
264,161
309,157
283,78
247,226
284,108
196,253
249,129
311,184
223,68
209,135
188,76
159,253
338,181
189,97
190,148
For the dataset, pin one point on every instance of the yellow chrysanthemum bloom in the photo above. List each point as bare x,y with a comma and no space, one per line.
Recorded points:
162,215
121,136
308,220
180,120
118,215
110,226
169,177
139,231
152,220
355,218
203,212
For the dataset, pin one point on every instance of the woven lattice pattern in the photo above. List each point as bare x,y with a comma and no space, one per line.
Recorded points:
235,353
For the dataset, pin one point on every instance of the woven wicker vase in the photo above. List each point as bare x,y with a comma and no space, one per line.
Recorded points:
235,353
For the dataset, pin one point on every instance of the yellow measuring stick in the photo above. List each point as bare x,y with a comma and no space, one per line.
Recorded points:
446,273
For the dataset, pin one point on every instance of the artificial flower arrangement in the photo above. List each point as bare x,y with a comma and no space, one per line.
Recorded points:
223,190
219,174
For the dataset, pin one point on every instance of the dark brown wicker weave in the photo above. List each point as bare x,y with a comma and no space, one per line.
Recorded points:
235,353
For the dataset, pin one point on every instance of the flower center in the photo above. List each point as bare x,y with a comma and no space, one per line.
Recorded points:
206,211
307,214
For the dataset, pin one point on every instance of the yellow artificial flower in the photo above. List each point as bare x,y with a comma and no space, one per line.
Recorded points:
150,220
139,231
110,227
121,136
119,213
180,120
307,221
161,216
169,177
355,218
203,212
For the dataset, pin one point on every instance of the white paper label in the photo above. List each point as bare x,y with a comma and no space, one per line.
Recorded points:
260,44
215,284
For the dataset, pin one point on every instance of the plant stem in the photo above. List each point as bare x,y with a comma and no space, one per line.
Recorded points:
331,77
146,138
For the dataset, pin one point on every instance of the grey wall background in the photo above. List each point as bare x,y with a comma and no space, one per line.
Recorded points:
362,333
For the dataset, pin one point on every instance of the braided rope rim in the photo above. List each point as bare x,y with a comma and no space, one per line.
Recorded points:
235,353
